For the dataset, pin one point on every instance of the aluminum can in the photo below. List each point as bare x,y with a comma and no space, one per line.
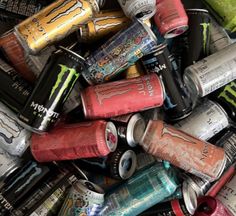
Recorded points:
53,23
206,120
209,206
42,109
133,71
226,97
142,10
84,198
219,38
168,143
14,52
14,90
120,164
144,160
103,24
218,185
171,18
81,140
8,164
130,128
13,138
118,53
111,99
224,12
212,72
197,38
145,189
177,104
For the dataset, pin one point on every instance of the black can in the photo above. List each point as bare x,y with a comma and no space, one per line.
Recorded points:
55,83
120,164
14,90
177,104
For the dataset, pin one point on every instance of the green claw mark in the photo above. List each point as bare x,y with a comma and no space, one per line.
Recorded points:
72,72
205,26
228,89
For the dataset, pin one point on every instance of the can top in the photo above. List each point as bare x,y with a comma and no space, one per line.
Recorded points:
127,164
135,129
198,185
190,198
111,136
79,57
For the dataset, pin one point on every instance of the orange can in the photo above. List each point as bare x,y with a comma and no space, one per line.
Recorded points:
54,22
183,150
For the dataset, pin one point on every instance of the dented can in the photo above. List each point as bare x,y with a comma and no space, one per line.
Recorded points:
111,99
43,107
74,141
53,23
168,143
107,62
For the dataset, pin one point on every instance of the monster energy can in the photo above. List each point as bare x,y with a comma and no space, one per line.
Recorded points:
43,107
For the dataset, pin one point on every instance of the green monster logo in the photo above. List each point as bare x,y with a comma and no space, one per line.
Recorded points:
72,73
230,89
205,27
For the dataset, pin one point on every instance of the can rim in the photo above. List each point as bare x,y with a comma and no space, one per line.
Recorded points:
130,129
169,33
129,154
72,52
198,9
83,103
146,17
110,127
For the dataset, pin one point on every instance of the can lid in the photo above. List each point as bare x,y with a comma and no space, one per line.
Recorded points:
127,164
176,31
91,192
73,53
111,136
190,198
198,185
150,32
135,129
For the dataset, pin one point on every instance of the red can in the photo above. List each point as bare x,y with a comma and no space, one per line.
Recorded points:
209,206
183,150
122,97
171,18
74,141
16,55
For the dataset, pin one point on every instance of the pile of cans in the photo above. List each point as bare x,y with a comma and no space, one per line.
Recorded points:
123,107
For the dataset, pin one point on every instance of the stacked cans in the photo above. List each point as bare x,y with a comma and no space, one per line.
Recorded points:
117,108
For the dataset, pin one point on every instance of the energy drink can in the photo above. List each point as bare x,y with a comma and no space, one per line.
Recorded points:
145,189
120,164
224,12
177,147
111,99
206,120
226,97
8,164
107,62
209,206
13,138
14,52
142,10
103,24
130,128
53,23
212,72
84,198
177,104
171,18
219,38
14,90
43,107
74,141
133,71
197,38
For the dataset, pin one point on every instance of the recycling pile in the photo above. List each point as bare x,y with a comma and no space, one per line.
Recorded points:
123,107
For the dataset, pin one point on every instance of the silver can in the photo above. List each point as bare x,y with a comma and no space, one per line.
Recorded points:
219,38
205,121
141,9
13,138
212,72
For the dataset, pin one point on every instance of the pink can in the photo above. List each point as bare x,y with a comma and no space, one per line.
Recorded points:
74,141
171,18
122,97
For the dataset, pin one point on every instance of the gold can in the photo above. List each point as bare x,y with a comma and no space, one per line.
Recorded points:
133,71
54,22
104,23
